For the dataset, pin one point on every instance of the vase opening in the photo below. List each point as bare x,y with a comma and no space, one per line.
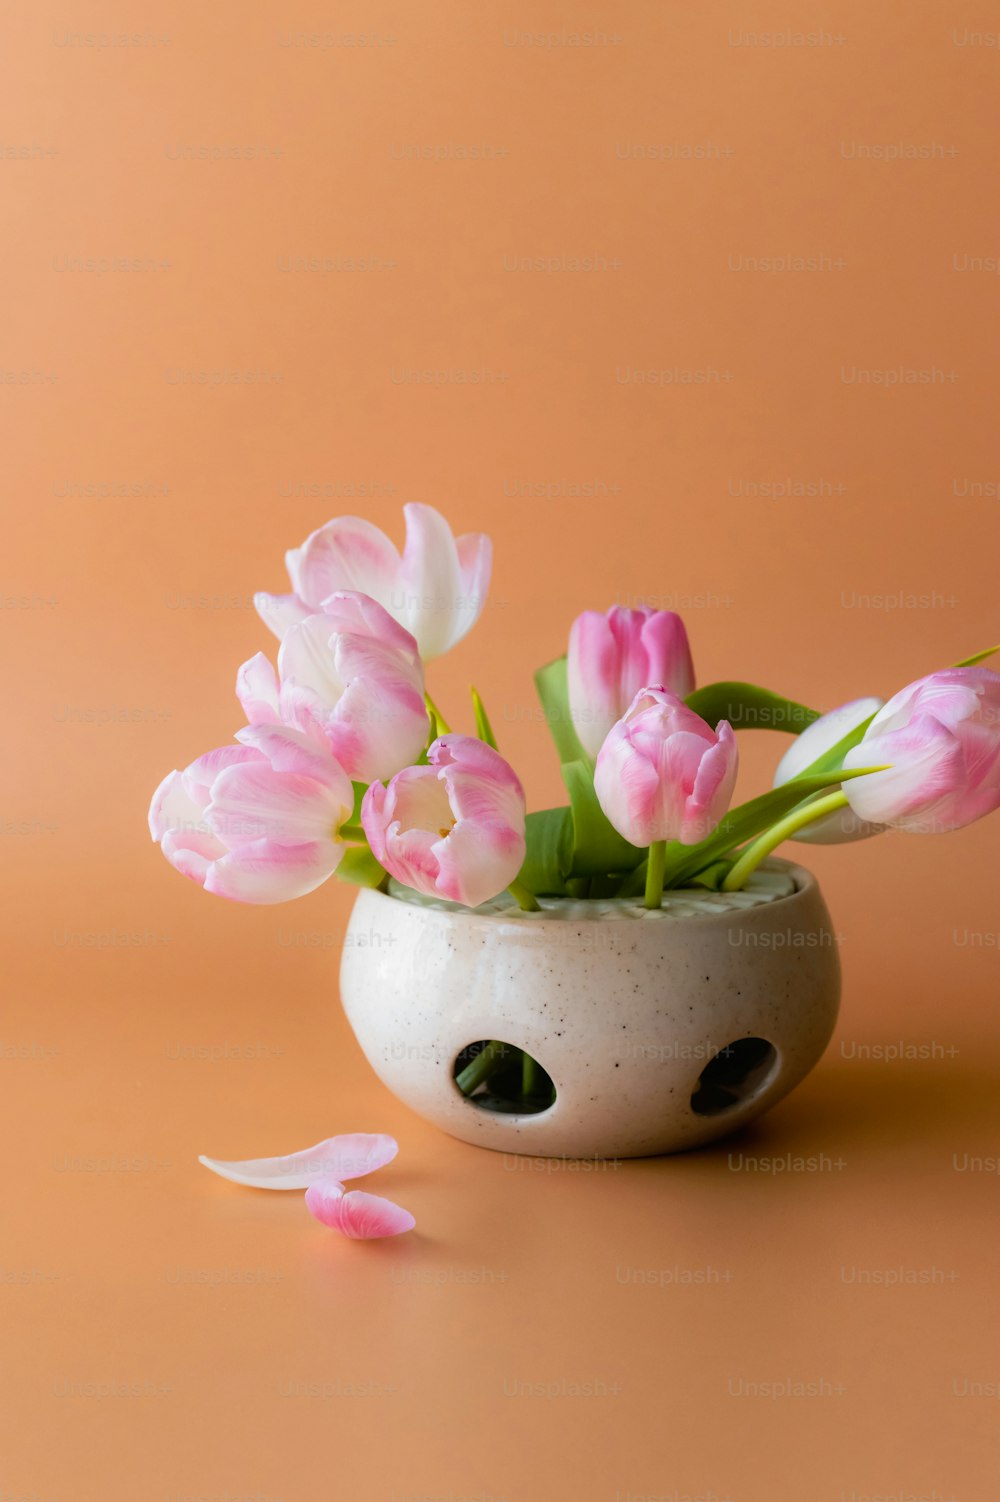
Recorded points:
735,1075
498,1077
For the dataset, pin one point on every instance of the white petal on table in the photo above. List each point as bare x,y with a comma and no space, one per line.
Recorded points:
345,1157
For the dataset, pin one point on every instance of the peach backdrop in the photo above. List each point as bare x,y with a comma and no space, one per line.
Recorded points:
334,200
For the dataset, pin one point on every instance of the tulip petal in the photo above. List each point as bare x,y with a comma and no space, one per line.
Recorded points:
357,1214
301,752
843,826
668,652
201,774
378,727
280,612
306,658
255,802
266,871
351,613
347,553
592,679
477,861
347,1156
713,787
822,735
475,566
481,784
172,807
192,852
429,597
257,690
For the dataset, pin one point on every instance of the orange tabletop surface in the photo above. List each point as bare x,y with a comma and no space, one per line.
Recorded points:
687,304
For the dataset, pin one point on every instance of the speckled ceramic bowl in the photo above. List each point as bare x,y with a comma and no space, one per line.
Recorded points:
660,1031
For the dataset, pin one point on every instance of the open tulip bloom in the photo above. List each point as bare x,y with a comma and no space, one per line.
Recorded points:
347,767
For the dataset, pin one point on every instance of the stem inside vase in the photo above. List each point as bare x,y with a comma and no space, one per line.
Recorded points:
496,1076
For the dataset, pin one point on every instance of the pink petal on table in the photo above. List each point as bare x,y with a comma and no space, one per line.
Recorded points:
347,1156
358,1215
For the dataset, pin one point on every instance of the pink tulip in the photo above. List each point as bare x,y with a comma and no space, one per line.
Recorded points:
256,822
454,828
822,735
611,657
436,589
353,674
663,773
939,739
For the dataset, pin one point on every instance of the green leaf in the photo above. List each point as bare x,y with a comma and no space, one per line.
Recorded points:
360,789
747,821
359,867
598,848
833,760
748,707
713,876
484,729
439,725
549,838
977,657
553,691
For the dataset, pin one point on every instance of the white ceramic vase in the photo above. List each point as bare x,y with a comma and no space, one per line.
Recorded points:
660,1031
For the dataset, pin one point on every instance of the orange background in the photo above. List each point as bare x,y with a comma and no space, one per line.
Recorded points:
142,509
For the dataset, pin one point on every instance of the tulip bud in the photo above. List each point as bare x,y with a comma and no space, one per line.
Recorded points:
611,657
663,773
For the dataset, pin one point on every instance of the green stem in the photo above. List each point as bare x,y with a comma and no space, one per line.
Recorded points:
525,900
529,1075
772,838
352,832
654,873
482,1066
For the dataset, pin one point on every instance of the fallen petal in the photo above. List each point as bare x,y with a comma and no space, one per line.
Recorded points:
358,1215
347,1156
323,1201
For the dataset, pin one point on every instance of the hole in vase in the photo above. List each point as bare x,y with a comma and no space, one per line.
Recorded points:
496,1076
737,1072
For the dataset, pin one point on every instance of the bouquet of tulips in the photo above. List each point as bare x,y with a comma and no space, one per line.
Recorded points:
346,765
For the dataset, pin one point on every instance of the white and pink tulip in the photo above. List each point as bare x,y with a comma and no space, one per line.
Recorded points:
435,588
351,673
939,740
451,829
256,822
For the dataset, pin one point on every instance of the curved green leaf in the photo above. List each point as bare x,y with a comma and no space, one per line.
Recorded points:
553,691
598,848
748,707
549,840
484,729
977,657
359,867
